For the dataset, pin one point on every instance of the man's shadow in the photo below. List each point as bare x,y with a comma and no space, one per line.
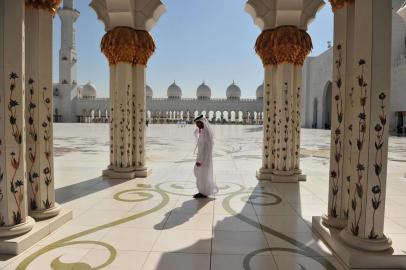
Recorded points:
184,213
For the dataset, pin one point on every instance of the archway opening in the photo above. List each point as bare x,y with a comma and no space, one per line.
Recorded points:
315,112
327,105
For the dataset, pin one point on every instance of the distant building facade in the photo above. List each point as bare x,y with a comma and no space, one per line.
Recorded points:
79,103
317,79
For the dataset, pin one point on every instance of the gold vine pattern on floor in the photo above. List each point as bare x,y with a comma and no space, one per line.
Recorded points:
68,241
144,192
301,248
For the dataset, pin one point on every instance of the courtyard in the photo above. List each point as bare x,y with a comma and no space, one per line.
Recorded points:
154,223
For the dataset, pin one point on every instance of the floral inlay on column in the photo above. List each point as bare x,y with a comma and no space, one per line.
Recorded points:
128,127
335,175
47,125
134,134
112,135
274,121
285,130
267,121
122,123
297,130
16,185
379,142
33,175
357,200
350,160
141,135
283,50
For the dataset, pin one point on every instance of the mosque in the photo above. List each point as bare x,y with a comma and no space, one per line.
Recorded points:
79,103
352,223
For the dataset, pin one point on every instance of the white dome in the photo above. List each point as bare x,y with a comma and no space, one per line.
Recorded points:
88,91
174,91
203,91
148,91
260,91
233,91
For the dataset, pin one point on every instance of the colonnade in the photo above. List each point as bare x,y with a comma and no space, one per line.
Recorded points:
224,117
360,98
128,51
359,133
26,126
94,116
282,46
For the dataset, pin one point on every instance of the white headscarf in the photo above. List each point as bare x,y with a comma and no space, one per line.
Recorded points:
207,130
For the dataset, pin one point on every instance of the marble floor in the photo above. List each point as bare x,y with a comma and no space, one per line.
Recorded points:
154,223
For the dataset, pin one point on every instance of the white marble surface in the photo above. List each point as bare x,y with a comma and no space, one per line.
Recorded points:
264,225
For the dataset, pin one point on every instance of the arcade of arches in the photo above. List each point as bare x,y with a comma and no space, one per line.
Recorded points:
164,117
353,225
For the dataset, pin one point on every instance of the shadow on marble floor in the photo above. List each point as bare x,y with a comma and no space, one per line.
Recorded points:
84,188
185,213
262,246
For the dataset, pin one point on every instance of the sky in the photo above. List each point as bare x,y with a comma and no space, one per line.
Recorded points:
196,41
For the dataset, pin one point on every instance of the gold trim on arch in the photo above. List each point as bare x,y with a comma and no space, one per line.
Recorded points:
338,4
128,45
49,5
284,44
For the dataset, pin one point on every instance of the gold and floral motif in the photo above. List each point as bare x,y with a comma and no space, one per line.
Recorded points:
338,4
127,45
284,44
49,5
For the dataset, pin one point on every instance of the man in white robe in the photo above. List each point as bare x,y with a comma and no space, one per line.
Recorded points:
204,162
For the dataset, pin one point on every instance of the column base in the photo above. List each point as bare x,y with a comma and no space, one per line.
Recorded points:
354,257
365,244
17,244
127,173
8,231
279,176
264,174
333,222
46,213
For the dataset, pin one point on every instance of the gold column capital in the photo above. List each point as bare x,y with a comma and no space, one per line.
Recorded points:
338,4
284,44
128,45
49,5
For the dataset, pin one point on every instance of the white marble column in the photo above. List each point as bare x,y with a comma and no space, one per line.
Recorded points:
371,80
127,56
282,51
341,161
13,190
139,115
39,109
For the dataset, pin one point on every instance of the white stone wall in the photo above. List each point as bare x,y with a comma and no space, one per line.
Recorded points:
64,102
398,94
398,36
317,73
92,105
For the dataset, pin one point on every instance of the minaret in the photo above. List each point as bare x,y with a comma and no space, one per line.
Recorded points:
67,53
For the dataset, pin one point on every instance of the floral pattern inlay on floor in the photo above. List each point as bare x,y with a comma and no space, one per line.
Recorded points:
154,223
